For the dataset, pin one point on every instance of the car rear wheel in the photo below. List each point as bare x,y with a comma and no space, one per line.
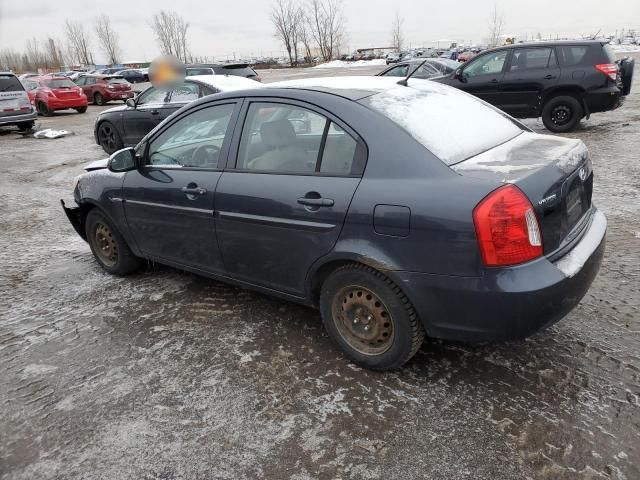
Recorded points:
44,110
109,138
81,109
562,113
98,99
370,318
108,247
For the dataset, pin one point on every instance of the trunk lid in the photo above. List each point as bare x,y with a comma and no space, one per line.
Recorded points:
555,173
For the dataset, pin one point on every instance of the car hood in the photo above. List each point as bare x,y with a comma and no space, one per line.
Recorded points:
119,108
96,165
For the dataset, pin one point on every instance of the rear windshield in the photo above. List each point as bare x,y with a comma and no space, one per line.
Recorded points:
199,71
113,80
60,83
611,56
29,84
237,71
451,124
10,83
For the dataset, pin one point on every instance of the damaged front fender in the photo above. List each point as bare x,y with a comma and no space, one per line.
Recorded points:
74,214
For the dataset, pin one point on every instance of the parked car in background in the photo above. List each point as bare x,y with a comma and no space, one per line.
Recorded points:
124,126
59,93
444,65
466,56
101,89
561,81
392,58
236,69
15,106
425,71
377,215
30,85
132,75
107,71
28,75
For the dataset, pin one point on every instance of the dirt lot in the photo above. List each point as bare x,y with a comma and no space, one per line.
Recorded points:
165,375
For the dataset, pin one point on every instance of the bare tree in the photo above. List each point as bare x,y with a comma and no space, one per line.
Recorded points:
36,58
496,24
326,22
11,60
171,30
79,42
304,34
284,17
108,38
397,37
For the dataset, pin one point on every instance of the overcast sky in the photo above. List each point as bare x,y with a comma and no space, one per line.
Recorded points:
221,27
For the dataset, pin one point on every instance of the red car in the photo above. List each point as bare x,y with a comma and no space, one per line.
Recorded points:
466,56
57,93
100,89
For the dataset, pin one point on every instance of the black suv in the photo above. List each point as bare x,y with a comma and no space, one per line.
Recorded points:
560,81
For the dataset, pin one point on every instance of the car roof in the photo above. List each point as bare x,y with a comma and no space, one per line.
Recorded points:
226,83
355,87
7,73
547,43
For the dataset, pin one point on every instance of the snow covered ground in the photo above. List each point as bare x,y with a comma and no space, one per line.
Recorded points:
358,63
625,48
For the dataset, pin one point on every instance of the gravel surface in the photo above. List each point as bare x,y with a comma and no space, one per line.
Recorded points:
166,375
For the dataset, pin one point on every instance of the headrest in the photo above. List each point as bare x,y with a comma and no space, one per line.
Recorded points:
277,133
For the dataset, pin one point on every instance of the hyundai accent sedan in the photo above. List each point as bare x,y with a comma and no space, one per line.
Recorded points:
349,195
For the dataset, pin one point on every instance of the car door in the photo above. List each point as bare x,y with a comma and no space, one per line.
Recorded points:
283,204
482,76
169,199
88,86
530,71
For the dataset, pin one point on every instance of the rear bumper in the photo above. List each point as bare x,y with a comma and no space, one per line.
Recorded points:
604,99
19,118
507,303
109,95
63,103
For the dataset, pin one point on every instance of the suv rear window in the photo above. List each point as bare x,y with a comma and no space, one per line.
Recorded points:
452,125
10,83
571,55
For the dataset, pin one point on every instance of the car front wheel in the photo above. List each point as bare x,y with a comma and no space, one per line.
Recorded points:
109,138
81,109
107,245
98,99
370,318
562,114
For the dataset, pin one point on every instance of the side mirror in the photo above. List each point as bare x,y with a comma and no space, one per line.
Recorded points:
131,103
123,160
459,75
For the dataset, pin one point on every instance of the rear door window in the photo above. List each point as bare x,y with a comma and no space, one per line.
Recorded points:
571,55
10,83
530,59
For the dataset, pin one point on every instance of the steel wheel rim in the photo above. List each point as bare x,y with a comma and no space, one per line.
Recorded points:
363,320
107,136
561,115
106,246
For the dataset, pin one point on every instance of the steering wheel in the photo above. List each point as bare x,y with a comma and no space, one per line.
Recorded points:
204,155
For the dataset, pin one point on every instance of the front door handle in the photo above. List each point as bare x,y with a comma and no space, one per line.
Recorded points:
495,80
549,77
155,112
316,202
194,190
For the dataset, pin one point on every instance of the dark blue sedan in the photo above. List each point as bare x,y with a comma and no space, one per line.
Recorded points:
358,196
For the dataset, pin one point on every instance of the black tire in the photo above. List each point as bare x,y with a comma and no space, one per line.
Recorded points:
98,99
109,247
81,109
370,318
44,110
109,138
24,126
562,113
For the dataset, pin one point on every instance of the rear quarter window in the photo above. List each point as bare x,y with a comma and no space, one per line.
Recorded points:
10,83
571,55
451,124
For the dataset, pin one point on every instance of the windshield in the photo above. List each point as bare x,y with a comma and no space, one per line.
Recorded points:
29,84
10,83
451,124
59,83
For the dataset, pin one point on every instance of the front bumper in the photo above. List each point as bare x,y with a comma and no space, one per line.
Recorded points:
19,118
75,217
507,303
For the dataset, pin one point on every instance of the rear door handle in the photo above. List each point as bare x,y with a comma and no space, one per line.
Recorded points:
316,202
194,190
495,80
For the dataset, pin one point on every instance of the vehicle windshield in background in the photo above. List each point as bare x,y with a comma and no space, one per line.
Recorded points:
113,80
433,115
199,71
30,85
239,71
60,83
10,83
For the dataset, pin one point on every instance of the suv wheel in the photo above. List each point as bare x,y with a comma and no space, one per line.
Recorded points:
108,247
562,113
370,318
24,126
98,99
44,110
108,138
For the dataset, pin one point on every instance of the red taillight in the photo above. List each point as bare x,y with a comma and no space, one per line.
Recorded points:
610,69
507,228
